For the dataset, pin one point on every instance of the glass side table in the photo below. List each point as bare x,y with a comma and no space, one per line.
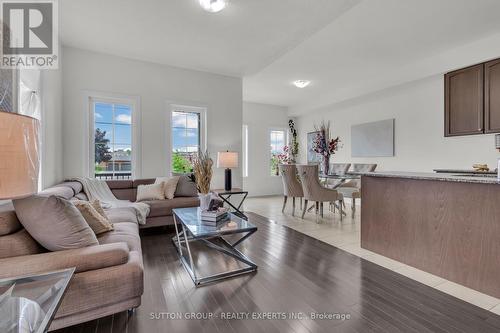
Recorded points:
29,303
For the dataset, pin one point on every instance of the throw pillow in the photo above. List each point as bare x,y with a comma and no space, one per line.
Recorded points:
186,187
97,205
150,192
54,222
170,185
96,221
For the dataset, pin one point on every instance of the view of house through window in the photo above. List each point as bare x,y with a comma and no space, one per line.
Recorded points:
278,142
112,140
186,139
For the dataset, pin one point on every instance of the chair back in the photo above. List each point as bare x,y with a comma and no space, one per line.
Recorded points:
291,185
339,168
361,167
309,177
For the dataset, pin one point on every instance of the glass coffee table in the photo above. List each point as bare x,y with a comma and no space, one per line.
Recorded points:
190,229
29,303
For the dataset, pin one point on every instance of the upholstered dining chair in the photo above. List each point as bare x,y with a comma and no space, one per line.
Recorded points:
313,191
337,169
291,185
352,188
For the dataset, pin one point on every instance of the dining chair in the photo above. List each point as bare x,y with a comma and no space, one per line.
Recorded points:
291,185
352,188
337,169
313,191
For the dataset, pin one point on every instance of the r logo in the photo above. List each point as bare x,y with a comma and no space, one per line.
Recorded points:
27,28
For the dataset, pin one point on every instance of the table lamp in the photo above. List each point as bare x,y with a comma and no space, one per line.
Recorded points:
227,160
18,155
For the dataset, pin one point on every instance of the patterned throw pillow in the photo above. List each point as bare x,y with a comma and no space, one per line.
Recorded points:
97,222
97,205
151,192
170,185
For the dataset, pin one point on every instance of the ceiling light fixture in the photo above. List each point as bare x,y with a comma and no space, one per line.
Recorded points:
301,83
213,6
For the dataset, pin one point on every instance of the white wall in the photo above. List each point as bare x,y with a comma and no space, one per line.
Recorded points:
420,145
52,137
260,118
154,85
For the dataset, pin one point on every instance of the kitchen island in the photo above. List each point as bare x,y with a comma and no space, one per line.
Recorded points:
444,224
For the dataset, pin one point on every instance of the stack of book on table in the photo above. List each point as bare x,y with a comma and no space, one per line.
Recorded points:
214,216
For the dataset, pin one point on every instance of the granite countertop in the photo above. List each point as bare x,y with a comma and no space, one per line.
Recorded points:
449,177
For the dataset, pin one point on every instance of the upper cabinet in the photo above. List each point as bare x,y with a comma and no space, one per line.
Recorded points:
492,96
472,100
464,101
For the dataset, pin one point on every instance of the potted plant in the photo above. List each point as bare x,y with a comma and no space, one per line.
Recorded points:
202,169
324,146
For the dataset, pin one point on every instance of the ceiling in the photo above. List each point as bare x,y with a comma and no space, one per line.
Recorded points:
339,45
371,41
241,39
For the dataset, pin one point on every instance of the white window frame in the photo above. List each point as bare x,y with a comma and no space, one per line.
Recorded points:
245,154
271,129
134,102
180,107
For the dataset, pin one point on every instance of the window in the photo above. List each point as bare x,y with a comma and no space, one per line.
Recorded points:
278,142
187,136
245,150
112,140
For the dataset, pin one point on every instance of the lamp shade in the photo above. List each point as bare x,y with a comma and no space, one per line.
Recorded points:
18,155
227,159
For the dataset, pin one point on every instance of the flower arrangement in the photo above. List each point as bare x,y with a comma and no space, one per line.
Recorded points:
286,156
323,145
294,145
202,169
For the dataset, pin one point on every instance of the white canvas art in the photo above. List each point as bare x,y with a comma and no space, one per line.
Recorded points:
375,139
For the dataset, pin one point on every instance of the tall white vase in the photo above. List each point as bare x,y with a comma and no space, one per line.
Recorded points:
204,200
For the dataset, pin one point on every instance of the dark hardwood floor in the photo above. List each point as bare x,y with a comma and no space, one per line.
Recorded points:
297,274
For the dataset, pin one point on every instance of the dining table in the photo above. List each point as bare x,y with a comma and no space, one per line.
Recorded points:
340,179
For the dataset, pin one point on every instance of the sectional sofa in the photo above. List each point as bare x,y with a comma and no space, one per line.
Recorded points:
109,276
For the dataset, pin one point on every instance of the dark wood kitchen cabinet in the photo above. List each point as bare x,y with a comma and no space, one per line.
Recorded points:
492,96
464,101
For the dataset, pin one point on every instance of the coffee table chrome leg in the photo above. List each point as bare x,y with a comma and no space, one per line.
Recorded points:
178,238
189,254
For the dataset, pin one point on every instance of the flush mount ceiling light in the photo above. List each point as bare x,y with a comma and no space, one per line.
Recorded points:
213,6
301,83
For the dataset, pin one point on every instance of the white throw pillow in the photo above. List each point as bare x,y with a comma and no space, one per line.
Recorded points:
151,192
170,185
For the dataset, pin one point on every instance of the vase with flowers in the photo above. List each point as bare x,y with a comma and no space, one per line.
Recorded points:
293,150
324,146
202,169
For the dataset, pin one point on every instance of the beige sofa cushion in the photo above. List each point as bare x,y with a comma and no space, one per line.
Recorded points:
19,243
122,214
170,185
164,207
125,232
97,221
85,259
54,222
151,192
58,191
91,290
8,220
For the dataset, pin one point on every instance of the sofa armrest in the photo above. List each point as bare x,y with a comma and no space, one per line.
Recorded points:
84,259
